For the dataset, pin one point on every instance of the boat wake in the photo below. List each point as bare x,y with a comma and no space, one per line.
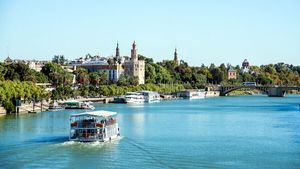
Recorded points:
87,145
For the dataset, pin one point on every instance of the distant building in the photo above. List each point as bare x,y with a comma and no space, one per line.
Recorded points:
114,66
231,73
32,64
111,66
135,67
113,71
8,61
245,66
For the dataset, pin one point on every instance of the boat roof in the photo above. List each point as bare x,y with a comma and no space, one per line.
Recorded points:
102,113
72,101
131,93
147,91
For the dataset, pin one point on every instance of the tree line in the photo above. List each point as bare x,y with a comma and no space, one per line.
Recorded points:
199,76
164,77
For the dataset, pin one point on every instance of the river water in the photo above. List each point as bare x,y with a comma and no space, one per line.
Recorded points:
223,132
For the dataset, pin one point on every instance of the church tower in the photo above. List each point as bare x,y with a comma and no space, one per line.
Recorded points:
135,67
134,52
117,51
176,57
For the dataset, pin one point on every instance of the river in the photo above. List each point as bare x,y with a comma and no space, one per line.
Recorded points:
222,132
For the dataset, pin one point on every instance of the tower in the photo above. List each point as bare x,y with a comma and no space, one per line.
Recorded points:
135,67
117,51
176,57
134,52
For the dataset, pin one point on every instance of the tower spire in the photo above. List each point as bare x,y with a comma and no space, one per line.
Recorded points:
117,51
134,52
176,57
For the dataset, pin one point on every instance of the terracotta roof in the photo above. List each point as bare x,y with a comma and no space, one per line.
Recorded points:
102,113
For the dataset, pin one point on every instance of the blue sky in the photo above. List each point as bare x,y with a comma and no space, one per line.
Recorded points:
211,31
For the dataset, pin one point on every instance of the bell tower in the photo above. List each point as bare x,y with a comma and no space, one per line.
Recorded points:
117,51
134,52
176,57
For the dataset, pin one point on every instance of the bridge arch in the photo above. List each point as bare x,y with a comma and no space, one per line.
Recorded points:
225,90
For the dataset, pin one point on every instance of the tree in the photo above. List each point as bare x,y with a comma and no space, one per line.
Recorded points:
3,71
56,74
150,73
12,90
82,76
59,59
125,80
217,75
147,60
246,77
94,78
263,80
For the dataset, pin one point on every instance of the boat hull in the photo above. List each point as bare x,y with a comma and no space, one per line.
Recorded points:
115,137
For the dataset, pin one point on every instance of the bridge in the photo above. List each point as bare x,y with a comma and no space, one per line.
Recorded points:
271,91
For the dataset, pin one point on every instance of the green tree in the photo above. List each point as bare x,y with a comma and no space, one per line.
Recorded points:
59,59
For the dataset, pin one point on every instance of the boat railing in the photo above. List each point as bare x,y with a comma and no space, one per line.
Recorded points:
84,124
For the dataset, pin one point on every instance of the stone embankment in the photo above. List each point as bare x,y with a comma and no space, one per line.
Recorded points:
31,107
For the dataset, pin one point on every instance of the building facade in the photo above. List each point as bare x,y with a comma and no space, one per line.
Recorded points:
231,73
135,67
113,71
115,66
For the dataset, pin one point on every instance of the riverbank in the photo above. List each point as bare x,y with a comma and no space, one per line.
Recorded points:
36,107
224,132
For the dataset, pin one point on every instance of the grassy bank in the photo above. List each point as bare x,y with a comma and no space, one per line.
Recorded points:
243,92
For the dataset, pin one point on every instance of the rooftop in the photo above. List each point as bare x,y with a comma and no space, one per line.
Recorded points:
231,69
102,113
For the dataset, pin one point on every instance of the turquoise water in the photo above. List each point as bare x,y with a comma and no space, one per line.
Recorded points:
223,132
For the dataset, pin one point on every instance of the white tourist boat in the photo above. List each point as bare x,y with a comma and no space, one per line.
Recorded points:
94,126
197,94
191,94
55,107
74,104
134,98
150,96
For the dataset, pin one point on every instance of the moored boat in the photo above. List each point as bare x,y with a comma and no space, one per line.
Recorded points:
134,98
94,126
150,96
191,94
55,107
198,94
74,104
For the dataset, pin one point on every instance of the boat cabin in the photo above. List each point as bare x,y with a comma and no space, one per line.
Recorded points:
94,126
74,104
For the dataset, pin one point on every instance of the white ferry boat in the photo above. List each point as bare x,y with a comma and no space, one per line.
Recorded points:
196,94
150,96
55,107
192,94
134,98
74,104
94,126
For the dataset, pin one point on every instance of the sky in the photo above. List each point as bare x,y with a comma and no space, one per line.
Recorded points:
210,31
